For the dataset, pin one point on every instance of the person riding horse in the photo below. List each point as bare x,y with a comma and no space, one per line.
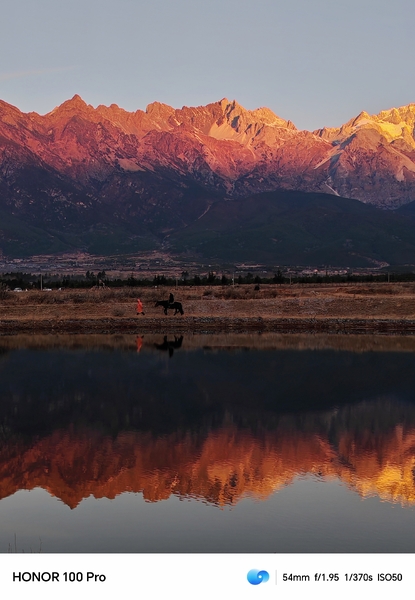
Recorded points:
170,303
176,306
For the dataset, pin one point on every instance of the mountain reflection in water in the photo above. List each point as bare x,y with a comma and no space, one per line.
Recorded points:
211,424
223,465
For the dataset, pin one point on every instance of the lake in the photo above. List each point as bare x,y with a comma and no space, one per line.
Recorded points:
204,443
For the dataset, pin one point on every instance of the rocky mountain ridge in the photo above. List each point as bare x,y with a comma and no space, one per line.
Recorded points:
113,174
222,146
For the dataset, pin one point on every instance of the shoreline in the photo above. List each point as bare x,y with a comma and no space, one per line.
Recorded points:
214,325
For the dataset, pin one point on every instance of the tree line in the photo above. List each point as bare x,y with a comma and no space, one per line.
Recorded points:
100,279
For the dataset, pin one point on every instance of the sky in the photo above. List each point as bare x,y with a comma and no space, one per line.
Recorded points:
315,62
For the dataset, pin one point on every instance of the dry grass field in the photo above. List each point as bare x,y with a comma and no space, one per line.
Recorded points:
216,308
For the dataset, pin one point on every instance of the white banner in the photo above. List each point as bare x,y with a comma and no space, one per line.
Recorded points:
215,576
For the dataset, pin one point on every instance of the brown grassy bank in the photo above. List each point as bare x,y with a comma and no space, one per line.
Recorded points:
356,308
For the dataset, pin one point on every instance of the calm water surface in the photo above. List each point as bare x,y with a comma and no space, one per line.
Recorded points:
207,444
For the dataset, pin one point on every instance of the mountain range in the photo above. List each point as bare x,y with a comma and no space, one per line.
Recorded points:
110,181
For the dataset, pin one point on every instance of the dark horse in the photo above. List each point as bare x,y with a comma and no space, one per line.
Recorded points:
177,306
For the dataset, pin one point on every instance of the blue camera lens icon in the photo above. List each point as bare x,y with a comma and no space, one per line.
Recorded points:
255,577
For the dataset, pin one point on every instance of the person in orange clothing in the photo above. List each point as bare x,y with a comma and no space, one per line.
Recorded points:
139,307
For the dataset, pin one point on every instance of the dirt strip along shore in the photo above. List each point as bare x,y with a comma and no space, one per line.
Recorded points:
182,324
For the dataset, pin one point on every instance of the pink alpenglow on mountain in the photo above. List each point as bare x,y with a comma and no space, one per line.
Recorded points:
79,154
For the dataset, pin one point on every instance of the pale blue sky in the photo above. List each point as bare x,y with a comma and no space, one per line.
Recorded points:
316,62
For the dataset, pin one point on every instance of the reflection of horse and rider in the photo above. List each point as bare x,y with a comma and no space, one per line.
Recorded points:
170,346
170,304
